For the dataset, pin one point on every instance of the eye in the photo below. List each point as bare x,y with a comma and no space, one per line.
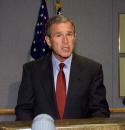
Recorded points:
58,35
70,34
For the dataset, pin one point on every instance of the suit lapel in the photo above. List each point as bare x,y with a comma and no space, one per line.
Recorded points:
48,86
75,80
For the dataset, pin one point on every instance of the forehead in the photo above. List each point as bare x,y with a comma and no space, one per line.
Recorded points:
61,26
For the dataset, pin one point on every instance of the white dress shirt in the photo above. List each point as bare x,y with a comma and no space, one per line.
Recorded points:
66,69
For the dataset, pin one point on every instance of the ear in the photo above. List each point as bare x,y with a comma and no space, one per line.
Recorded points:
47,38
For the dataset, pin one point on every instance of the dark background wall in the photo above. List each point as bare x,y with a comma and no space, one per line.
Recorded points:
97,38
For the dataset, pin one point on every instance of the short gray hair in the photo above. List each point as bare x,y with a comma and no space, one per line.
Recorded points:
55,20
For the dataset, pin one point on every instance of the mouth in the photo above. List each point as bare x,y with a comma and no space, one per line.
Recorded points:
65,49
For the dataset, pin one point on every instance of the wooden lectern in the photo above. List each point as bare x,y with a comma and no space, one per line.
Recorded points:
79,124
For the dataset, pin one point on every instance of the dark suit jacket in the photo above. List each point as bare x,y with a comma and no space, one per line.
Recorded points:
86,95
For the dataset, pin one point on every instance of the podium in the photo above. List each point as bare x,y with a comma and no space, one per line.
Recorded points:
72,124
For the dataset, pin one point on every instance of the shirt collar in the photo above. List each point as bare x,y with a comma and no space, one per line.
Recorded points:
56,62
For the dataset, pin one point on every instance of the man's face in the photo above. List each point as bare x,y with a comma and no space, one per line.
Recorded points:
61,40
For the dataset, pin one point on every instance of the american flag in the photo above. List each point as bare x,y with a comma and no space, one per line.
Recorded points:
39,47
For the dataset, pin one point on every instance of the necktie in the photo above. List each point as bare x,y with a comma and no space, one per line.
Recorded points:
61,91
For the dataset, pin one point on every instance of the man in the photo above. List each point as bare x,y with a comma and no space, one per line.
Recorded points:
85,94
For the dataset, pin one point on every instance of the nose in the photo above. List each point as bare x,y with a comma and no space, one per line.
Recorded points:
65,39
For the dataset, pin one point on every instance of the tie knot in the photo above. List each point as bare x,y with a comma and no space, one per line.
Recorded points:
61,65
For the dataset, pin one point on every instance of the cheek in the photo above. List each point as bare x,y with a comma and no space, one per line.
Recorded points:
56,43
72,43
56,47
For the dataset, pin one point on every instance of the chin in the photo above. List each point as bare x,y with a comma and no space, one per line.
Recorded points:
66,56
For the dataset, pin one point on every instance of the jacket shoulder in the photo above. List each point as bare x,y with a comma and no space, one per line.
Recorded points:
36,63
85,60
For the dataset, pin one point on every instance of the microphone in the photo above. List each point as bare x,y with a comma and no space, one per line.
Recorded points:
123,101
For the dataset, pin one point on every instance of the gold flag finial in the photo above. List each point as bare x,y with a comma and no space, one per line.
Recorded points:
58,7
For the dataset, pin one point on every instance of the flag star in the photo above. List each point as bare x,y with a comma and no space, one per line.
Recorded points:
34,42
37,24
37,32
41,23
42,6
34,49
45,17
43,50
41,15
